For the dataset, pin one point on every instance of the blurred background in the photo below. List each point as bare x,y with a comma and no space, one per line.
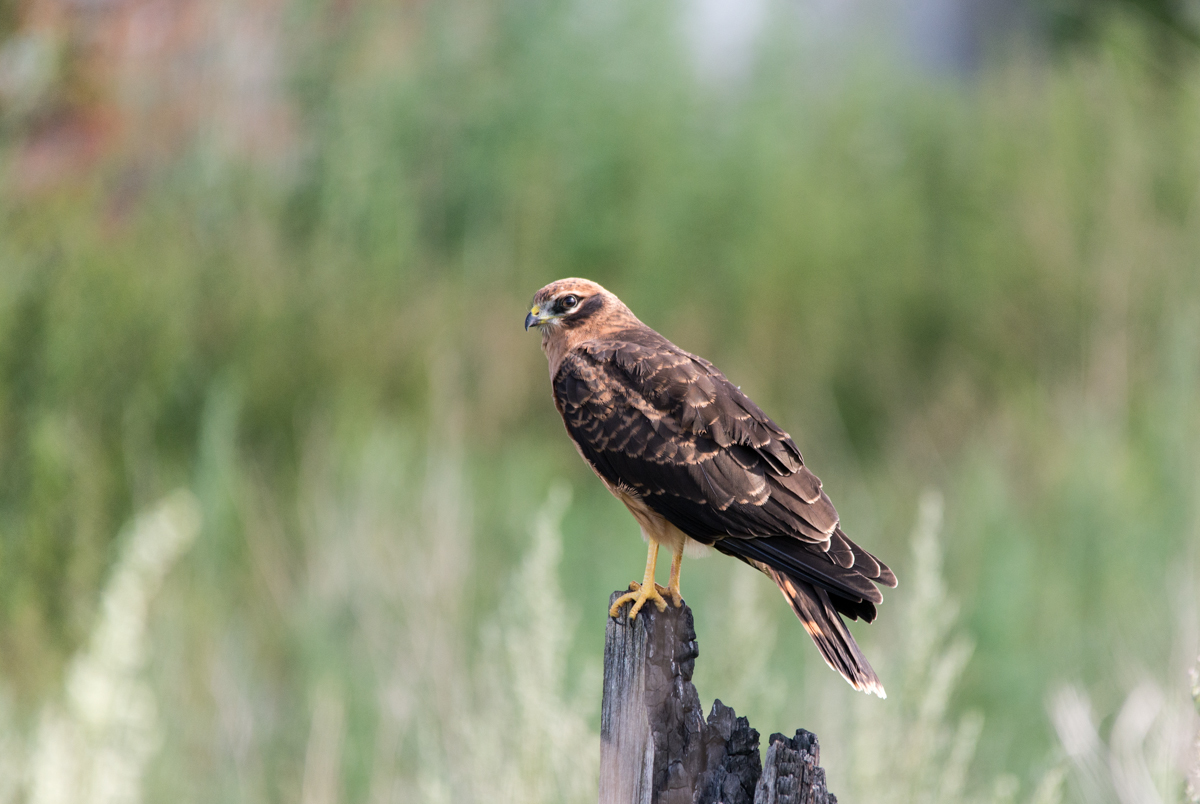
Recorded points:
287,514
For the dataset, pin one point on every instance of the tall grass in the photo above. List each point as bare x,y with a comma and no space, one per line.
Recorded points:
416,707
94,744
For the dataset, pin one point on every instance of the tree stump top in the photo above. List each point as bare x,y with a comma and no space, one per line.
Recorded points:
656,747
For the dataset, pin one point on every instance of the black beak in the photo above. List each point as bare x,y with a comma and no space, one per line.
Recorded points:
529,321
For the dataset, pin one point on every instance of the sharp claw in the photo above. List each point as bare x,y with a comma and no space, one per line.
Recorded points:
666,591
638,596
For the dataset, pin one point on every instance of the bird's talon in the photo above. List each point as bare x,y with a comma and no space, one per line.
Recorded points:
638,597
669,592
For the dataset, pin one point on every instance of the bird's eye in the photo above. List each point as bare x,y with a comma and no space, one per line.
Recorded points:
568,302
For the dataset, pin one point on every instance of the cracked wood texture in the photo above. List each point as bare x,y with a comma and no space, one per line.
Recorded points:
656,747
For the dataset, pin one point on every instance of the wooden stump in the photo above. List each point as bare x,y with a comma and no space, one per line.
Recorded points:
656,746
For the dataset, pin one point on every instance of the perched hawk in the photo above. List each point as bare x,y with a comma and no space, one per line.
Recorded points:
699,464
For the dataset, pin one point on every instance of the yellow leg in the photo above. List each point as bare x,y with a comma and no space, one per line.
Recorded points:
673,584
641,592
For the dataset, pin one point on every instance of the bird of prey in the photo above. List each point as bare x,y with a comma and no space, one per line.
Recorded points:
698,464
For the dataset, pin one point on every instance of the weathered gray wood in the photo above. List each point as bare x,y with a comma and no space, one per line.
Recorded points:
656,747
793,772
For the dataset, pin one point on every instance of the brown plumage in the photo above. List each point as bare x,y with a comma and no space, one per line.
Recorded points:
699,464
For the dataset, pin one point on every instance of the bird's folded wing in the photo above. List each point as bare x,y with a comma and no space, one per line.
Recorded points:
671,428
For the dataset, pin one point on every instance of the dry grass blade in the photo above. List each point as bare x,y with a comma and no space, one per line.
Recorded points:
94,747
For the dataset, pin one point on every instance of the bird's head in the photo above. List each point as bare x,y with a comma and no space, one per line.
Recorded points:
576,304
566,304
571,311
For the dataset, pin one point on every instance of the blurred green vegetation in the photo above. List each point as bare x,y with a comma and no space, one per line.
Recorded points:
986,285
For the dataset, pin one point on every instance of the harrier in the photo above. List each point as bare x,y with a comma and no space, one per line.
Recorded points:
698,464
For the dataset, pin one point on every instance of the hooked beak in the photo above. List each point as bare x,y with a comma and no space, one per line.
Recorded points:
534,319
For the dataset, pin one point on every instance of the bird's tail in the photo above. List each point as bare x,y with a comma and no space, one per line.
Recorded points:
823,623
